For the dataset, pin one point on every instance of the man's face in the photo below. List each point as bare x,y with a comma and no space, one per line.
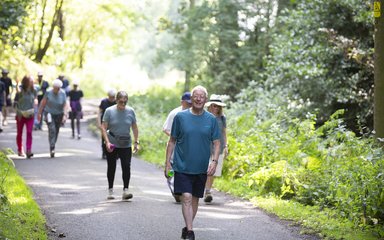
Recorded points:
198,99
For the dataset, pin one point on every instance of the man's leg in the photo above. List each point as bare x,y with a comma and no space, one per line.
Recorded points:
4,112
188,210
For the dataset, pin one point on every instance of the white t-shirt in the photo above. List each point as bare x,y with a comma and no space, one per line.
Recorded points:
167,126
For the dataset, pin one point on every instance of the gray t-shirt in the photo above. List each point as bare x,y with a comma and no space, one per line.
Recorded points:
55,102
25,102
119,125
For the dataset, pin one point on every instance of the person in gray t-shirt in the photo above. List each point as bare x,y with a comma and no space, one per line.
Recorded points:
55,107
25,102
118,120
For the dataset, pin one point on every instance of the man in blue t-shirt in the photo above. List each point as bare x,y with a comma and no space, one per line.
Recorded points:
193,131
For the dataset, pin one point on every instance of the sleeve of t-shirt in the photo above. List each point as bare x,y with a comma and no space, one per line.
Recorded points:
107,115
168,123
101,104
133,116
175,126
216,134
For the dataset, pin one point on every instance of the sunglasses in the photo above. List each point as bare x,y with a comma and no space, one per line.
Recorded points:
122,102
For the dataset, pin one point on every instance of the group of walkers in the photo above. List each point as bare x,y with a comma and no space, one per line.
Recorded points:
35,102
195,151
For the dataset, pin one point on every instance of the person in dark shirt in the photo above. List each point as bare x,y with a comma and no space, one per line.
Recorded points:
104,104
75,96
41,88
65,82
2,101
8,93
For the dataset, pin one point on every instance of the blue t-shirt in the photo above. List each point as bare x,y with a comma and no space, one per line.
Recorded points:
194,135
55,102
222,122
119,125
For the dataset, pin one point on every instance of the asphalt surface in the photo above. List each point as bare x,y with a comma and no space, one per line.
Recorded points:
71,190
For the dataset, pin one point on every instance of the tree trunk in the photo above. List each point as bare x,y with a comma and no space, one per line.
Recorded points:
379,70
42,50
187,83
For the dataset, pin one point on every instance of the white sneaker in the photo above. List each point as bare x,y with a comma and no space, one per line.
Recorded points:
126,194
110,194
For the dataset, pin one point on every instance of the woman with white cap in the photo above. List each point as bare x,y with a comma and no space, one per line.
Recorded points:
55,107
215,106
75,96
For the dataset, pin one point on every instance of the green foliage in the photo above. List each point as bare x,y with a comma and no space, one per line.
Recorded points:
152,109
330,56
12,13
326,223
216,42
291,159
20,216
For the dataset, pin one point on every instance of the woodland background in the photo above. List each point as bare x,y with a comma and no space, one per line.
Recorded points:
298,78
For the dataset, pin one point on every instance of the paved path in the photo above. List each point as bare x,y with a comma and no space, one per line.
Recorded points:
71,191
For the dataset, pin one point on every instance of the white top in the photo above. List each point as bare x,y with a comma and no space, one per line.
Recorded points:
167,126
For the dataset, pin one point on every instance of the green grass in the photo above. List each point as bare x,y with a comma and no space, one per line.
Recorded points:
20,216
325,223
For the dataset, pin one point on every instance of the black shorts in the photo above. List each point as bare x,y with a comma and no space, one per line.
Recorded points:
190,183
8,102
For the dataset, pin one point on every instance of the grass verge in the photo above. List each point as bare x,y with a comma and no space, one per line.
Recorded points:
325,223
20,216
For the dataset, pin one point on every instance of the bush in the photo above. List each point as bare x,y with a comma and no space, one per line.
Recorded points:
290,158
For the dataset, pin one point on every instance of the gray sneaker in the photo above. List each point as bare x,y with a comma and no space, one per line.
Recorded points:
110,194
126,194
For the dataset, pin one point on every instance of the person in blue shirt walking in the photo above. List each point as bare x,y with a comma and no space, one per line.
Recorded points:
54,106
193,132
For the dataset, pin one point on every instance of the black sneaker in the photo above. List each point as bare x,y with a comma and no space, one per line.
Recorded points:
29,154
208,197
52,151
177,198
190,235
184,233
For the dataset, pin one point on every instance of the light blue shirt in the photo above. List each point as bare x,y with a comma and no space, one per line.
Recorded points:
55,102
119,125
194,135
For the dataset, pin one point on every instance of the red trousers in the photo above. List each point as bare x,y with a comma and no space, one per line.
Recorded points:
20,122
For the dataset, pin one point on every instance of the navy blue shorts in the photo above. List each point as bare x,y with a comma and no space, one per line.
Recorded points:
190,183
8,102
